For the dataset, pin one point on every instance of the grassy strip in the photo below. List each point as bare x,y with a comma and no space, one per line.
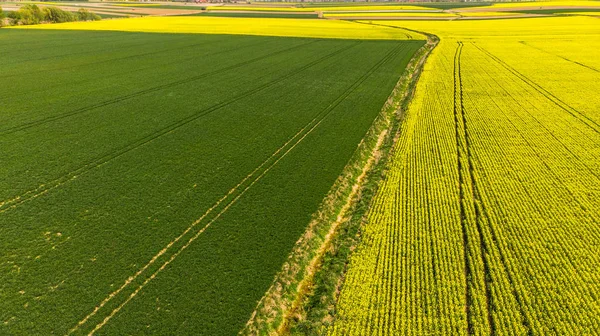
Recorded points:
317,309
304,285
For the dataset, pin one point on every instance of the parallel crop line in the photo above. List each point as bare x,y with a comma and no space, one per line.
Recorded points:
90,40
21,74
558,102
520,304
121,73
142,92
31,194
556,177
566,59
125,39
315,122
517,102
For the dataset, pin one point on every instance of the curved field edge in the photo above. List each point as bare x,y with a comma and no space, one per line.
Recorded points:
313,28
302,296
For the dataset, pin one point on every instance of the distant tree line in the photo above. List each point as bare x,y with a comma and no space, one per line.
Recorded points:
31,14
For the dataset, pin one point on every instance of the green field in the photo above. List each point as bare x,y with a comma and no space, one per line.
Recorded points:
155,183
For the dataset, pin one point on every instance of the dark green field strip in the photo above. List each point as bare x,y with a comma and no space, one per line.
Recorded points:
139,283
68,249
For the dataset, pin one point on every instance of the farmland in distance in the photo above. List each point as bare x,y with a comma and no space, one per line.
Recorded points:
156,182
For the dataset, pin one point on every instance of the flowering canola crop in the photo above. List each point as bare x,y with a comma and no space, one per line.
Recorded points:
487,220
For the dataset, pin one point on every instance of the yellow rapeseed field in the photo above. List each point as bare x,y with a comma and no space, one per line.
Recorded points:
241,26
487,220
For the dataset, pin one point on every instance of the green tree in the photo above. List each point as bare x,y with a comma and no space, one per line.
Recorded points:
85,15
57,15
27,15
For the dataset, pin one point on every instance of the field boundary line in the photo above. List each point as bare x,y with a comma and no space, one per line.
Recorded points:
557,101
304,284
316,121
350,89
44,188
320,308
285,299
145,91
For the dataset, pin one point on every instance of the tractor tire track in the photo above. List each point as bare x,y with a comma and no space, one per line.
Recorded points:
269,163
45,188
142,92
477,203
461,185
